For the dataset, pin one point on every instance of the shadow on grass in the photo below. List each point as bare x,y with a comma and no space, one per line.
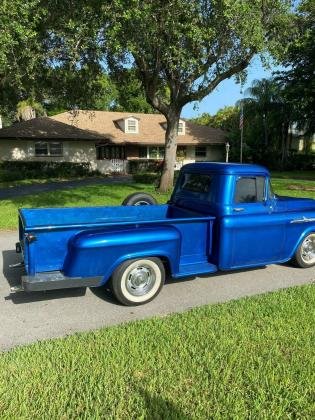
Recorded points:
159,408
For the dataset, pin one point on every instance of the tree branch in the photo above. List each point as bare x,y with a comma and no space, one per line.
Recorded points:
204,91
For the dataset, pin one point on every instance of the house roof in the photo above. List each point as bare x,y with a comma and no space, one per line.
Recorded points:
102,126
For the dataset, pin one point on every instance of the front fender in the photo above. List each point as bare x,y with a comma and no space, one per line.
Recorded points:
302,236
99,253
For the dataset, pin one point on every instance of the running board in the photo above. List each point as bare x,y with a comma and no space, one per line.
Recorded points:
193,269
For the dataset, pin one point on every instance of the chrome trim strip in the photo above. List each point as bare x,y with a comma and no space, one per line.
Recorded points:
303,220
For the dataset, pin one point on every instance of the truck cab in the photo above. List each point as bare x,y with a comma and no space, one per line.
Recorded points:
220,217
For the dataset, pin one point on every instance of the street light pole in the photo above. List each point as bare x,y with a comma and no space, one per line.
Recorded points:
227,150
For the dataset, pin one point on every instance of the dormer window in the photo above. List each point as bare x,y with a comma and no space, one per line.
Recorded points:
128,124
181,128
131,125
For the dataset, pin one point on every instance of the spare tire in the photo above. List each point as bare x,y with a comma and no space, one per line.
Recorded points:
139,199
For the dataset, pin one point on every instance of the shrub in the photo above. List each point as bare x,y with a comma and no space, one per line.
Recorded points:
301,161
145,166
150,178
146,178
18,170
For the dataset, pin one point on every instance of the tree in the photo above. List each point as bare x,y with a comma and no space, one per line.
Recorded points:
20,50
298,81
225,118
263,96
190,47
130,94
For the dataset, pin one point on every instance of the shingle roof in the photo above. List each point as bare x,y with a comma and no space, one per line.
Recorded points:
102,125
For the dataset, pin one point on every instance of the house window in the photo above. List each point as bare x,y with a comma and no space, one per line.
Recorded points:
151,152
55,149
250,190
143,152
181,128
43,148
200,151
132,125
181,153
110,152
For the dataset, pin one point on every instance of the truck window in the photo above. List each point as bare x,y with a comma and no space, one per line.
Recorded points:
195,186
250,190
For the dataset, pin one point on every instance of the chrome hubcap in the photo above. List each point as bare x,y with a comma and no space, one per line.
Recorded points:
308,249
140,280
142,203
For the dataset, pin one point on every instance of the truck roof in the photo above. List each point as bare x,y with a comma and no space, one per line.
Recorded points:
226,168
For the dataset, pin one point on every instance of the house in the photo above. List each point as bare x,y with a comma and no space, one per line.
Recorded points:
108,140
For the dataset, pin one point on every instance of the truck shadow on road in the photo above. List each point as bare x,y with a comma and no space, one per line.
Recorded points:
13,277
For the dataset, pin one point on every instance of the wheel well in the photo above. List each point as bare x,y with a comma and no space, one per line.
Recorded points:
167,265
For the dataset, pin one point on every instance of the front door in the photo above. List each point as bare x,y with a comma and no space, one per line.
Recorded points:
257,232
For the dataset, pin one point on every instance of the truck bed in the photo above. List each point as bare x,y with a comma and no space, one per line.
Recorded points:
41,219
50,238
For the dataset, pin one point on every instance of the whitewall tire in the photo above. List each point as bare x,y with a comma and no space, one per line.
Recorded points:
138,281
305,254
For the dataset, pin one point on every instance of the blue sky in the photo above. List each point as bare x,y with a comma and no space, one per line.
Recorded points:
227,93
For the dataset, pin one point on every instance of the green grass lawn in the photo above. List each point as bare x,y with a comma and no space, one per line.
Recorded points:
252,358
31,181
94,195
99,195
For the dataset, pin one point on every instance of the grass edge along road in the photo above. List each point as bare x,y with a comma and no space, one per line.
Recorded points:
251,358
104,195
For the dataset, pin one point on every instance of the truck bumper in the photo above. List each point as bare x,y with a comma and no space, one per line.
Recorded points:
56,280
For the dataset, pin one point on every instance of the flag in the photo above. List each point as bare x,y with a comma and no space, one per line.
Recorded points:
241,117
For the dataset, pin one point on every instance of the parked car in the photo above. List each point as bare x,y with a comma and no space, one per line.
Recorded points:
220,217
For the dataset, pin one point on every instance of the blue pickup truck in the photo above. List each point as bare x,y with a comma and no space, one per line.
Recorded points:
220,217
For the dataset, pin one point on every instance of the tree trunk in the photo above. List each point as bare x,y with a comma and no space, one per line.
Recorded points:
167,178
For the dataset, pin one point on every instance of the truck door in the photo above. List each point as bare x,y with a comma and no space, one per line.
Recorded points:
256,233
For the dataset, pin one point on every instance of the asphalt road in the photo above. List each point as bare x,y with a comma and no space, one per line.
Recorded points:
25,318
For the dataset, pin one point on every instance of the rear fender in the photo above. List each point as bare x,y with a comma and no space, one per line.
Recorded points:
98,253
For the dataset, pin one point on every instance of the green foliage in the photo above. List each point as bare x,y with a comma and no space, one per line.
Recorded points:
130,93
251,358
145,165
226,118
146,178
19,170
298,80
190,47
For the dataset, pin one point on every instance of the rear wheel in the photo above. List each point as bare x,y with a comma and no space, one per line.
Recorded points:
138,281
139,199
305,254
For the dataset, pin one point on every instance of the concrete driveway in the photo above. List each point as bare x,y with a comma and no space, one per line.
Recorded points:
25,318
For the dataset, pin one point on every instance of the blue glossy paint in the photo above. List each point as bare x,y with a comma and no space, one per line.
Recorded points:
195,233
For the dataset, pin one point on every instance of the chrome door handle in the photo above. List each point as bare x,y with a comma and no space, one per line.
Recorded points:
238,209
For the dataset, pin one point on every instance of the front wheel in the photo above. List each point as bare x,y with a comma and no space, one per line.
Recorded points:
305,254
138,281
